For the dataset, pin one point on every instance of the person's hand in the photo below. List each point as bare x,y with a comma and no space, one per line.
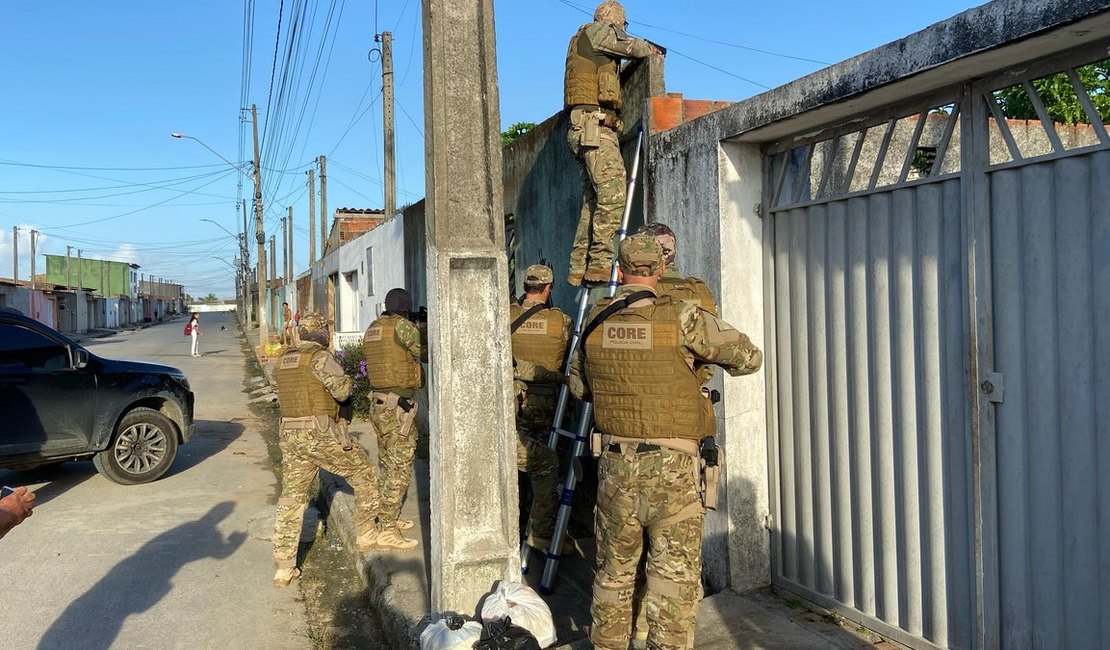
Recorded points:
14,508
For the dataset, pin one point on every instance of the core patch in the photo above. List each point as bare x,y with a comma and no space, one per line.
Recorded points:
289,361
535,327
373,334
627,336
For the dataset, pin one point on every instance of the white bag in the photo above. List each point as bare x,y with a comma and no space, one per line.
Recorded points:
524,606
450,633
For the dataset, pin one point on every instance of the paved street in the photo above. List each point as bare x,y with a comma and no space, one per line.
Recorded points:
184,562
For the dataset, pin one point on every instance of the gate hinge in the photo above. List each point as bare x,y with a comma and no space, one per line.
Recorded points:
759,209
994,387
768,521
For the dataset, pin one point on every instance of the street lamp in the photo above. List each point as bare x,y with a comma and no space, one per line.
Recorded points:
181,136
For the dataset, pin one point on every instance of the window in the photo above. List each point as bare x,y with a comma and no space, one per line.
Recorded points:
24,348
370,271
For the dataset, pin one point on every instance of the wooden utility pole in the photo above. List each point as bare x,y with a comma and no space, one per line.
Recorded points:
390,188
311,220
323,205
15,253
260,235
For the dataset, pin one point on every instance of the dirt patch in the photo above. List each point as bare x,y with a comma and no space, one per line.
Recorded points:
339,611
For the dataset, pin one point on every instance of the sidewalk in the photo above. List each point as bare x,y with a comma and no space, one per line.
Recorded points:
399,586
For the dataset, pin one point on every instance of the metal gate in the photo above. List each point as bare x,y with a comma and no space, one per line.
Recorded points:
940,308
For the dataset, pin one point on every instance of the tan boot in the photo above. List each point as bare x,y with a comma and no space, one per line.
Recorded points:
596,276
574,278
282,577
405,524
542,544
366,541
392,540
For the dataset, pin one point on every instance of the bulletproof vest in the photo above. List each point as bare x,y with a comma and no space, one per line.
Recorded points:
540,338
388,363
300,393
690,289
591,76
641,384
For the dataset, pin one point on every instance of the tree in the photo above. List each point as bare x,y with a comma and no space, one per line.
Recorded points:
1059,98
515,131
210,298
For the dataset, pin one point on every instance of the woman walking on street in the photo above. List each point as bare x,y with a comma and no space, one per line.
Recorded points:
194,332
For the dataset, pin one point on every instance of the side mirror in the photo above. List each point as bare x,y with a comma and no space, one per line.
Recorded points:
80,358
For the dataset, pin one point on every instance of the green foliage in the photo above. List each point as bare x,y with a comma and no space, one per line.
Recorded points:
1058,96
515,131
353,360
210,298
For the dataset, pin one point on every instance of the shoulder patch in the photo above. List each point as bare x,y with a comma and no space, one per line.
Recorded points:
290,360
627,336
373,334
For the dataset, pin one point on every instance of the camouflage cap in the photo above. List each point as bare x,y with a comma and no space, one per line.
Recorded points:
612,12
640,255
312,323
539,274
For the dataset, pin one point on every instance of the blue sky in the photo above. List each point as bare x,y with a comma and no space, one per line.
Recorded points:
93,91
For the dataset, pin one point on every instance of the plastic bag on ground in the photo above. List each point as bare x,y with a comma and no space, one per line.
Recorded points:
502,634
452,632
524,606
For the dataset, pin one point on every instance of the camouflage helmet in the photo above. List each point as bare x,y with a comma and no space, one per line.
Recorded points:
313,322
611,12
640,255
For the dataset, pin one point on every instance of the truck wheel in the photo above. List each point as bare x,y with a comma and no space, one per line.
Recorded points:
142,448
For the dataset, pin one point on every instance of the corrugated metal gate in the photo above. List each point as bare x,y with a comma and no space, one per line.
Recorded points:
941,318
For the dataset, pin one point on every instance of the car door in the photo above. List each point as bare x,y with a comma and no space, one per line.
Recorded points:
46,405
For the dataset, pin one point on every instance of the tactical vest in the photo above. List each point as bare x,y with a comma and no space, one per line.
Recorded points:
690,289
641,384
540,338
591,76
300,393
388,363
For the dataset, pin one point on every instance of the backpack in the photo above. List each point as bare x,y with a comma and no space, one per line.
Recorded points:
188,328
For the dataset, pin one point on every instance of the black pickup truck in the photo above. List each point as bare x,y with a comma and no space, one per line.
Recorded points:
58,402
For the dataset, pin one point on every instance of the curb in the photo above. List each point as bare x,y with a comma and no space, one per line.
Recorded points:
388,577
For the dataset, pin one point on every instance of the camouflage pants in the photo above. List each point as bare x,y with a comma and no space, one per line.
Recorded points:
656,491
303,453
534,457
396,449
603,196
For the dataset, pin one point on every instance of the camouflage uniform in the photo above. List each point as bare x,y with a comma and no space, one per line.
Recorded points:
539,350
648,472
592,99
309,443
393,412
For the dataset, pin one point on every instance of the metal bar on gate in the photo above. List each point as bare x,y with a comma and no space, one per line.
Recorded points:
1046,121
880,157
1003,126
851,174
911,150
1092,114
945,139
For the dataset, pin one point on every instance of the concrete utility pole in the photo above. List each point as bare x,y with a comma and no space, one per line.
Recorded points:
15,253
34,235
284,251
311,220
323,205
260,235
273,275
289,248
80,278
473,463
248,304
69,274
390,188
